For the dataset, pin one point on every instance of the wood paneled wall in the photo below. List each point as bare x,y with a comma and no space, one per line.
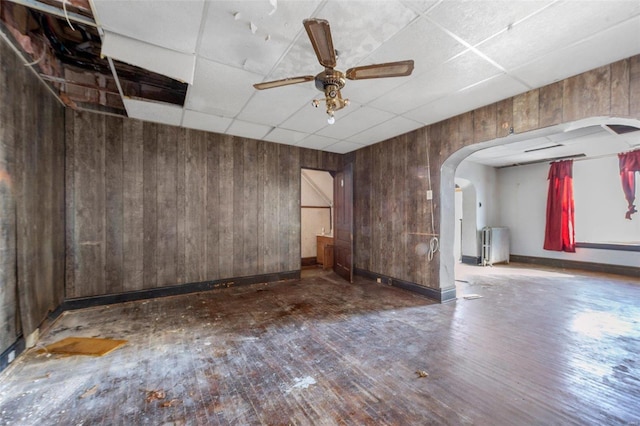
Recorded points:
391,178
31,199
150,205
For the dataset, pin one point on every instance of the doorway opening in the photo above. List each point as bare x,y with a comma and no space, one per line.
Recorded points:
317,219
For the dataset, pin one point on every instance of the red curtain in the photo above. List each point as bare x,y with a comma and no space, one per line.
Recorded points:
629,165
559,233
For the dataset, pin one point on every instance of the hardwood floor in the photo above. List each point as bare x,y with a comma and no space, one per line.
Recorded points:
539,347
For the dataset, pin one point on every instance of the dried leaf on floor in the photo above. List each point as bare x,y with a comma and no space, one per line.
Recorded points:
421,374
171,403
89,392
153,395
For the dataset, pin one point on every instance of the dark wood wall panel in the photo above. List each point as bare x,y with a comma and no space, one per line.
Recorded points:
392,215
152,206
9,327
31,199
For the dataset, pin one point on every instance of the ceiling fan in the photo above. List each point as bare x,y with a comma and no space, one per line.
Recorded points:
331,81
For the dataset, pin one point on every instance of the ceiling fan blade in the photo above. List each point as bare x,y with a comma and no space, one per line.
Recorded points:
283,82
320,35
390,69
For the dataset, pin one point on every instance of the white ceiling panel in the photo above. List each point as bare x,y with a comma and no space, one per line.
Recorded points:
343,147
207,122
307,119
579,56
559,25
248,130
316,142
360,27
289,137
487,92
474,21
362,118
172,24
219,89
177,65
421,41
420,6
388,129
158,112
252,34
273,106
455,75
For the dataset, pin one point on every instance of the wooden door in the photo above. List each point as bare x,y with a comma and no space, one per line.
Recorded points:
343,232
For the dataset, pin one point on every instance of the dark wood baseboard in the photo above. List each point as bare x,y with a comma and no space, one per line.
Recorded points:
572,264
441,295
87,302
17,348
309,261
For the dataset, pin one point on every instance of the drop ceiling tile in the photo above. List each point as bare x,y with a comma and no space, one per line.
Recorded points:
580,57
172,24
316,142
201,121
420,5
171,63
284,136
475,21
228,35
421,41
443,81
387,130
355,30
307,119
273,106
157,112
219,89
561,24
360,27
497,88
358,119
343,147
248,130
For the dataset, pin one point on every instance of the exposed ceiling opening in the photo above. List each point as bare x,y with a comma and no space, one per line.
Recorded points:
67,56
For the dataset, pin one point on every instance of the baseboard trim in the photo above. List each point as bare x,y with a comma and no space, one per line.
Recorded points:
309,261
471,260
441,295
583,266
176,290
17,348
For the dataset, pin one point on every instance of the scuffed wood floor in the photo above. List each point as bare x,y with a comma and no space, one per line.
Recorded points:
537,348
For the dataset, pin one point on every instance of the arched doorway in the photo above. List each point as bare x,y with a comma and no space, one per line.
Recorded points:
529,139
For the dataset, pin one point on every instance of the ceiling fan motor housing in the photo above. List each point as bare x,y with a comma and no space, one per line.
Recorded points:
330,81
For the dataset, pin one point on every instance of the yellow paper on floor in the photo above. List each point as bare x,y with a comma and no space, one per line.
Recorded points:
83,346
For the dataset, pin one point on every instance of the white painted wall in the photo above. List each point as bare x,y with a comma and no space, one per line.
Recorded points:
599,211
479,203
313,221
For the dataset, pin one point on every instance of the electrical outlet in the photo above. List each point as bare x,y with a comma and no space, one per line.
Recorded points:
429,194
378,280
11,357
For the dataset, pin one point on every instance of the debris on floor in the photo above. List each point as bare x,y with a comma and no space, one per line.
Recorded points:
83,346
471,296
153,395
422,374
89,392
170,403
